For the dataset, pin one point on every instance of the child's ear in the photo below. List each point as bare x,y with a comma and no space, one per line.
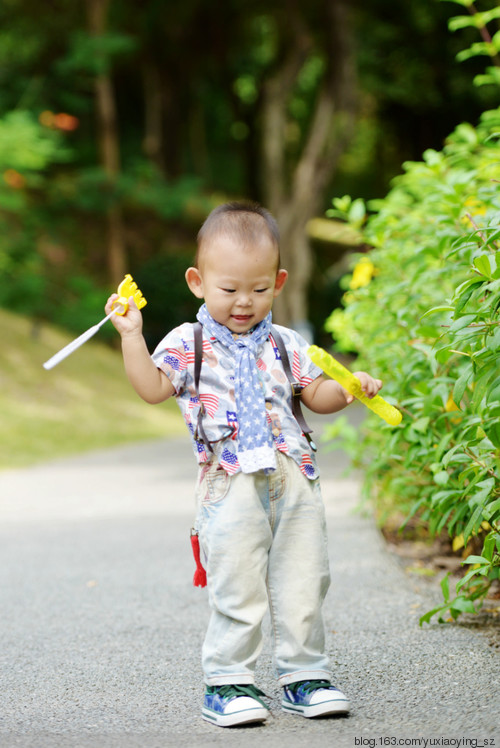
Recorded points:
195,282
281,277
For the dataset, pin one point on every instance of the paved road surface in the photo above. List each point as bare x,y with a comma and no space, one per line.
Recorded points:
100,628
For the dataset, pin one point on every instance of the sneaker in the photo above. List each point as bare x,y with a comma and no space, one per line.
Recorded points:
230,705
314,698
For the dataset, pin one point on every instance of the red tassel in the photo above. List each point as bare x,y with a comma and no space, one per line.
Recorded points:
200,575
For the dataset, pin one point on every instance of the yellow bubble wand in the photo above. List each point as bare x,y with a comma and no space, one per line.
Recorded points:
349,382
126,289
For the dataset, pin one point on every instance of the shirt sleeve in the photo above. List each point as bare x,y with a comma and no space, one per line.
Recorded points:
171,356
303,369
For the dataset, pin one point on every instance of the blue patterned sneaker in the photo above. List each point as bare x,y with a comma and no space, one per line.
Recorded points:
314,698
230,705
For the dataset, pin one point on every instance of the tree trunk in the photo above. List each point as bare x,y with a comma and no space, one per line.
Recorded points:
294,195
153,116
107,134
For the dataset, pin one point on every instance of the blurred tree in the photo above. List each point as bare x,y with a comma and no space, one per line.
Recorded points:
107,132
266,90
275,100
300,154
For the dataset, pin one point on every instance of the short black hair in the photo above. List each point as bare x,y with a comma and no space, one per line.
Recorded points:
245,221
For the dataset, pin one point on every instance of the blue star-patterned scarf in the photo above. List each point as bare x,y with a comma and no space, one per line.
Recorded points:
255,443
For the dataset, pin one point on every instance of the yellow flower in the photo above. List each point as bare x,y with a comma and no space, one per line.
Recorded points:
452,406
458,542
362,274
473,207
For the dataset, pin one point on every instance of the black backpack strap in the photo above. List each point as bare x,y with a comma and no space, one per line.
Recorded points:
296,387
199,433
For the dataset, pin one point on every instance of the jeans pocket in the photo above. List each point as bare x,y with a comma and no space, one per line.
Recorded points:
217,485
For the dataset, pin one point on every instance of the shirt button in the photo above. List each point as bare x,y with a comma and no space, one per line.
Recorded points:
276,432
269,405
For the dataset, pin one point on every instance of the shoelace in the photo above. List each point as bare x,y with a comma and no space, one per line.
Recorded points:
310,685
231,690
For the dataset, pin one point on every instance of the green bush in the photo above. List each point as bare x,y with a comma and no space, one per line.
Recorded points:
422,312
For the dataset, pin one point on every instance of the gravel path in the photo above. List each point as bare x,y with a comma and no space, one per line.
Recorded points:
101,629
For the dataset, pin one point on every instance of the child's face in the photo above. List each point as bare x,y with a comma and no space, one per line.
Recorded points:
238,283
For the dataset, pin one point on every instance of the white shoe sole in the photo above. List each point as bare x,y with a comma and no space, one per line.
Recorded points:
335,706
243,717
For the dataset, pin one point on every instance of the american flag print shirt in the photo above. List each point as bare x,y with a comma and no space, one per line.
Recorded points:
174,355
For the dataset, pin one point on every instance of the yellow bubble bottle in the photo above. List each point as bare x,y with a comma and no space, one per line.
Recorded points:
349,382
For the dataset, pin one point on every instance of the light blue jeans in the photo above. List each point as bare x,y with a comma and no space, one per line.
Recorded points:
264,539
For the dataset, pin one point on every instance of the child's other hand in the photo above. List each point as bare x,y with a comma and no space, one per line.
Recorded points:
369,385
127,324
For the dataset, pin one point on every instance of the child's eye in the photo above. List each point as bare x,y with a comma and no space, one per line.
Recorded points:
261,290
228,290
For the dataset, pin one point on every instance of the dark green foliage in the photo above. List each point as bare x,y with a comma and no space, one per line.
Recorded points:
205,70
170,302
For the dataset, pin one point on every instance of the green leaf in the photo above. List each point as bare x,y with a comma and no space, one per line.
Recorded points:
462,322
486,16
436,309
466,579
421,425
482,385
461,384
474,523
486,487
492,431
464,294
477,49
483,265
491,78
445,587
491,510
441,478
496,41
476,560
493,341
426,618
489,547
357,212
462,605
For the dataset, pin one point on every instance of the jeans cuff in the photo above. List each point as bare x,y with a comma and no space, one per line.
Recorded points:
234,679
285,680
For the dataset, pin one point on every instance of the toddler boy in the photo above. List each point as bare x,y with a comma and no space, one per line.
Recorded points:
260,518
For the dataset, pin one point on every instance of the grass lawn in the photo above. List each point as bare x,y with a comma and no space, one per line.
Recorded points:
83,403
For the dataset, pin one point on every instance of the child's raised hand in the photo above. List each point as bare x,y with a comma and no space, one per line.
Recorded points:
129,323
369,385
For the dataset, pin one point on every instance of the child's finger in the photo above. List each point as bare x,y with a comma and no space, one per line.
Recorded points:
109,302
372,386
347,395
369,385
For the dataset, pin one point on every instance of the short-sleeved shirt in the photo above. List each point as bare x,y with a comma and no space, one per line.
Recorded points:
174,355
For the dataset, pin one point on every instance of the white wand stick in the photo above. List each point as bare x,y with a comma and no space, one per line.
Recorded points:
68,349
126,289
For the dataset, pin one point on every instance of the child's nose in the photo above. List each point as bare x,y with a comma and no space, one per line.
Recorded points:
244,299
